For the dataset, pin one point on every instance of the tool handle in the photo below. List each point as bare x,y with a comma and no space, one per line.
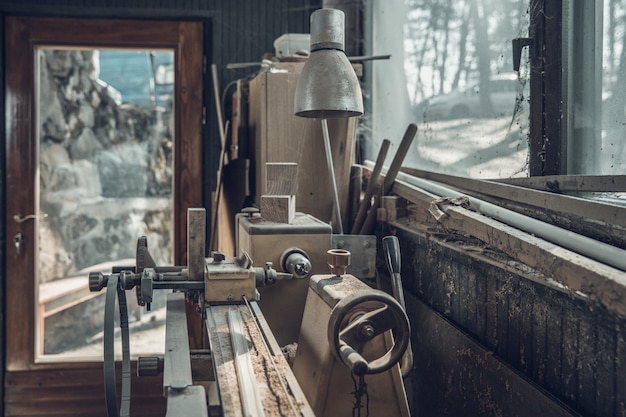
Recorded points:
353,359
391,248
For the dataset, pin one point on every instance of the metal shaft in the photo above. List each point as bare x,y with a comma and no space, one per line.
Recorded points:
331,171
391,247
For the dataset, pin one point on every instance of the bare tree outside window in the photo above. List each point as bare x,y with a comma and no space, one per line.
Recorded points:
471,108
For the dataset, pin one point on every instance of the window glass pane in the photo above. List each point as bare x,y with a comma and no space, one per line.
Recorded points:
613,149
452,67
105,179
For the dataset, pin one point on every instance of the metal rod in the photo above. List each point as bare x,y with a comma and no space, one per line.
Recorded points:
331,171
391,248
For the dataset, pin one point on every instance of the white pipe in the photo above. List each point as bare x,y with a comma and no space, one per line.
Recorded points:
608,254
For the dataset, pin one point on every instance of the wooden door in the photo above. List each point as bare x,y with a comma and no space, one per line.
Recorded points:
36,385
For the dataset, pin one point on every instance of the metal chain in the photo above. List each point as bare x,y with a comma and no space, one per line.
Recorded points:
360,390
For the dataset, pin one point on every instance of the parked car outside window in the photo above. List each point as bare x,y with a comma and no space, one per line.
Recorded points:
465,103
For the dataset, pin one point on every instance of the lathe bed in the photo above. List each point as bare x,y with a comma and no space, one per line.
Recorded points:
259,375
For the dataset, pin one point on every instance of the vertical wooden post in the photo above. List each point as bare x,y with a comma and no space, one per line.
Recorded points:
196,243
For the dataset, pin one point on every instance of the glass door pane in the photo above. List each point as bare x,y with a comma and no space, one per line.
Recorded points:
105,129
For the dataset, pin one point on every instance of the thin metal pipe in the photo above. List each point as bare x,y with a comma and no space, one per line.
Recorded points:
594,249
331,171
391,248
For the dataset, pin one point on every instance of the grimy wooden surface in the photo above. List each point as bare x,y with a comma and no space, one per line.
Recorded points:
552,316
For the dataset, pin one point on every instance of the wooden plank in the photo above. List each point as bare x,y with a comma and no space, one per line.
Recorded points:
515,296
481,307
567,183
491,313
586,365
620,370
603,284
539,361
196,243
470,296
554,341
604,371
502,315
75,392
569,360
526,334
608,213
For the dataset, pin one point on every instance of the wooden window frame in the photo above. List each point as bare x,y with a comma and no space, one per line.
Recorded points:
546,79
23,36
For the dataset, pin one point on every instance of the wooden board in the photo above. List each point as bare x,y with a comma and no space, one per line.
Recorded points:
280,136
542,198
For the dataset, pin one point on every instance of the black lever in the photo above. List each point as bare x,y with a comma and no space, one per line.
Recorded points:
391,248
518,45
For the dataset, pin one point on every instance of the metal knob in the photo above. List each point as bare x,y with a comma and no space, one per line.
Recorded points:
149,365
97,281
338,261
296,262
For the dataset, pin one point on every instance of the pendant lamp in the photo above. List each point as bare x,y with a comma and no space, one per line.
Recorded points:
328,86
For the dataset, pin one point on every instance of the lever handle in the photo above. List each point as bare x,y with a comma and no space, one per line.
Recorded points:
518,45
391,248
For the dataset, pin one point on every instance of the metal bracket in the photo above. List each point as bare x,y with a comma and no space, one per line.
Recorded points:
363,254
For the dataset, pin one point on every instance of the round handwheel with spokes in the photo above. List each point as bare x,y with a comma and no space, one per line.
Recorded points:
360,317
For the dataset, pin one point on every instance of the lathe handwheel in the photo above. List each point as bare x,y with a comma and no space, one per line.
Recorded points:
359,318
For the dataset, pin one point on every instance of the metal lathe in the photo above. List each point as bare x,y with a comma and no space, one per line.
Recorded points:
349,337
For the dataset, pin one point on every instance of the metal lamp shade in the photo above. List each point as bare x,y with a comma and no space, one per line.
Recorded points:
328,86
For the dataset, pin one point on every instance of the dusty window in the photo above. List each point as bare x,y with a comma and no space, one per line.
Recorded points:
451,73
595,83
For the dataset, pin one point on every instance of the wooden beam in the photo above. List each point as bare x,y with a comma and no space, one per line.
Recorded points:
565,183
592,209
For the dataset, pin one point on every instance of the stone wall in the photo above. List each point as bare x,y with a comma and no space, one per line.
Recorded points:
105,169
